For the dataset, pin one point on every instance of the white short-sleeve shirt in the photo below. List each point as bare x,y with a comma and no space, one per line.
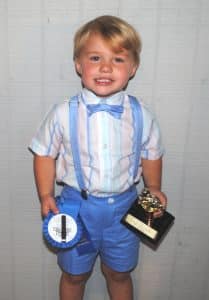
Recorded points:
105,143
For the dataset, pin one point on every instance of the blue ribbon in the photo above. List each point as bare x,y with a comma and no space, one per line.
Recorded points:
65,210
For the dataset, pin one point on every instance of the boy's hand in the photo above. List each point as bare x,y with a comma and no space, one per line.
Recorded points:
163,199
48,204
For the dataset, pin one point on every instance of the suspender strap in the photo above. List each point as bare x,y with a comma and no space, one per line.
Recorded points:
74,144
138,126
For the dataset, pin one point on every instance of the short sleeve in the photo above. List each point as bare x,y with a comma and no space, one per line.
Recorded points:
48,137
152,146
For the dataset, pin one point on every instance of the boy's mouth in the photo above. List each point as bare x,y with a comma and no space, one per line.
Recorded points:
103,81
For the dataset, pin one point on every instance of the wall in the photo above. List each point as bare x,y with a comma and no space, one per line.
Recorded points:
36,70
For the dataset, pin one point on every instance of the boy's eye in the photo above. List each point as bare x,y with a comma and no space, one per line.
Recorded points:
94,58
119,59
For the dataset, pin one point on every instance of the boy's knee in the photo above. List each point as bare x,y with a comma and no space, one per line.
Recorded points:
75,279
112,275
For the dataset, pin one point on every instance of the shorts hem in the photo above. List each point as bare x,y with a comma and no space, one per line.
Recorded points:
76,273
118,268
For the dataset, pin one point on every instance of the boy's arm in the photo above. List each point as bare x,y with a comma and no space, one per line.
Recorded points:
152,175
44,172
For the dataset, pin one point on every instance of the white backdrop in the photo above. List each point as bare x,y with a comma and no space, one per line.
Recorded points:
36,70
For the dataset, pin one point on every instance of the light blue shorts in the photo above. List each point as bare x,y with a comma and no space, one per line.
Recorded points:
117,246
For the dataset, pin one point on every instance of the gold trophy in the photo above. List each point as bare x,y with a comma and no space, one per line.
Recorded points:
140,218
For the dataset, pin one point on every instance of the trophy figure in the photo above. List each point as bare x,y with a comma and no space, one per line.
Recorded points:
141,219
150,204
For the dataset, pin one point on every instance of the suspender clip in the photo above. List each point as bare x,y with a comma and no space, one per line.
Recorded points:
84,194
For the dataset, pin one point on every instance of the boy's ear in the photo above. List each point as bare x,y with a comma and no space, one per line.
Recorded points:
133,71
78,67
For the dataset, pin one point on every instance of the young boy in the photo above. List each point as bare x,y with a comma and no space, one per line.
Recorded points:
106,56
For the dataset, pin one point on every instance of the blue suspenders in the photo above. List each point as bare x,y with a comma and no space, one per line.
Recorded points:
138,128
73,128
74,144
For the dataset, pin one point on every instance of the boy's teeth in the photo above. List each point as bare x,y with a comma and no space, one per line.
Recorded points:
103,80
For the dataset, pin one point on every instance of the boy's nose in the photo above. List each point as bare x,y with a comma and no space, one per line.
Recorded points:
106,67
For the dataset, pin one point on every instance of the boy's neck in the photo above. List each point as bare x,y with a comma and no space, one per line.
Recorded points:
90,97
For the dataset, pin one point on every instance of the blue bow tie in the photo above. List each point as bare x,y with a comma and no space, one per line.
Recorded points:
114,110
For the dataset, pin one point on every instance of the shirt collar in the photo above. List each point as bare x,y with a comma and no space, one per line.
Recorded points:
90,98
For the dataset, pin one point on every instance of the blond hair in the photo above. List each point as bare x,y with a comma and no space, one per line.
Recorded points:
115,31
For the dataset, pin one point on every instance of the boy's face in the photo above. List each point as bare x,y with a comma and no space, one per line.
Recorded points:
102,70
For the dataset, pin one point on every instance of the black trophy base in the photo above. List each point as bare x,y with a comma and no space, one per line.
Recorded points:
136,220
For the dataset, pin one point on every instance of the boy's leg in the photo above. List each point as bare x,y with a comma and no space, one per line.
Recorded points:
119,284
72,286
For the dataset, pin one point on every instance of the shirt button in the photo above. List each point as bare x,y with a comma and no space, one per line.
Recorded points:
111,200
